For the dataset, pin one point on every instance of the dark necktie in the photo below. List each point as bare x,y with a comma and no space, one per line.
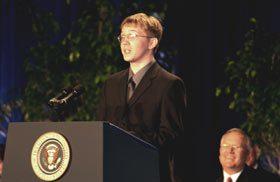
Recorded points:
130,88
229,179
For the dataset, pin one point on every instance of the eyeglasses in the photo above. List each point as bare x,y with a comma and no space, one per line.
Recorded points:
130,36
234,147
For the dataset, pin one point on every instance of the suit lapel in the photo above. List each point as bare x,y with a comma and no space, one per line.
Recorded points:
244,175
144,84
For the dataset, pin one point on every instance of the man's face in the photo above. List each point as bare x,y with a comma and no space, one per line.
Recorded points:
233,152
135,45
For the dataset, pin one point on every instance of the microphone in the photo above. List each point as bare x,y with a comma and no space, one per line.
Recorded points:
56,100
76,92
66,102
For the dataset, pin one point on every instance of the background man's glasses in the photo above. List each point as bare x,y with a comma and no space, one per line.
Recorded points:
131,36
231,147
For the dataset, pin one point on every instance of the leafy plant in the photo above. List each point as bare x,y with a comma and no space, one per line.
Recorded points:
254,89
86,54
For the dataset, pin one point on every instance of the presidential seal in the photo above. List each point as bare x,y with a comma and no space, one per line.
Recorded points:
50,156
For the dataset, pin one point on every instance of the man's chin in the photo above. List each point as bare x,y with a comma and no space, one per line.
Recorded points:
128,59
229,165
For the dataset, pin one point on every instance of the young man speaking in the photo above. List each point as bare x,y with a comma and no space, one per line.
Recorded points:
145,99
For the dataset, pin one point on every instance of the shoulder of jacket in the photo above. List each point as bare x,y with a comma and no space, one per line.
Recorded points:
169,76
117,75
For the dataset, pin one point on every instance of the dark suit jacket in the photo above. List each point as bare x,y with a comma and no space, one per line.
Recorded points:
154,113
248,175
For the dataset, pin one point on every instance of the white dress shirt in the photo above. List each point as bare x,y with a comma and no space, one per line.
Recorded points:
234,177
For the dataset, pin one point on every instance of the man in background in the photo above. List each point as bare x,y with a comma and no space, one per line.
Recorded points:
234,150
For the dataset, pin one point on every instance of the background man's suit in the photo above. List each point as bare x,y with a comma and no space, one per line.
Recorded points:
251,175
155,112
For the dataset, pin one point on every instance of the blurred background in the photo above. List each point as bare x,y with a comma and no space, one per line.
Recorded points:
227,53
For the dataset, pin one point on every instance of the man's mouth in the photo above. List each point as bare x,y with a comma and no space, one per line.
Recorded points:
126,51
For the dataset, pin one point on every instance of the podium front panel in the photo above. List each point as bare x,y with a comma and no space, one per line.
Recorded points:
99,152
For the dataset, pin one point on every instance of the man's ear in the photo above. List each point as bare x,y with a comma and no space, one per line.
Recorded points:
153,43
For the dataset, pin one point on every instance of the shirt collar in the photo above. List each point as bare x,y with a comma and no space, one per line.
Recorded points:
234,177
139,75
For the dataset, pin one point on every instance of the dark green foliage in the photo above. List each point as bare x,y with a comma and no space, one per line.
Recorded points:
254,87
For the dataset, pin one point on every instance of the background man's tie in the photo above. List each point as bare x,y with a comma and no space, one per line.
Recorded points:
229,179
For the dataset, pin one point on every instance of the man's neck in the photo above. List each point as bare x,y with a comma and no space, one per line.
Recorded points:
232,171
138,65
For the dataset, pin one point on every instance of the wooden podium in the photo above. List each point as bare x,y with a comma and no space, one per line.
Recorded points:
99,152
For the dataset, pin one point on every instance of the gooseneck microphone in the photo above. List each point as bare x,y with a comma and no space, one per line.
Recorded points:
56,100
66,96
76,92
65,103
